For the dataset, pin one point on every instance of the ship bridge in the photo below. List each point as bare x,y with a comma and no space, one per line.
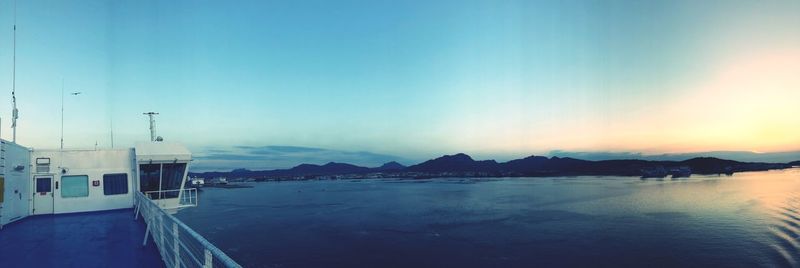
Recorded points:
162,169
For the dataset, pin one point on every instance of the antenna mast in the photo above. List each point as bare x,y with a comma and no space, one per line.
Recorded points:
152,125
111,127
14,111
62,113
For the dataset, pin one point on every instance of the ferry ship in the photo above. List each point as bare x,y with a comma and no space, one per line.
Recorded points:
99,208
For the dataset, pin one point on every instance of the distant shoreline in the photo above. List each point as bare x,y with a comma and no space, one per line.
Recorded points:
462,165
242,182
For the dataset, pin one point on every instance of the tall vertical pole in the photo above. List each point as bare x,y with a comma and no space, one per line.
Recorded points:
111,127
152,128
14,111
152,125
62,113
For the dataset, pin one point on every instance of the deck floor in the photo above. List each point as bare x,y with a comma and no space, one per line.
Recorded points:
94,239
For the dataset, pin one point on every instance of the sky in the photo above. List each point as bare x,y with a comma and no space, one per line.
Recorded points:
367,81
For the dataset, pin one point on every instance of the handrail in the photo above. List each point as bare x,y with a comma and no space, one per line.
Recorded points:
188,196
178,244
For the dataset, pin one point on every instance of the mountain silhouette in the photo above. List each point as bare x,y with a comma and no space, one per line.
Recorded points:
390,166
327,169
532,166
455,163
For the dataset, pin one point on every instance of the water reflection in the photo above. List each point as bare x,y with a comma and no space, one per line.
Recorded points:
750,219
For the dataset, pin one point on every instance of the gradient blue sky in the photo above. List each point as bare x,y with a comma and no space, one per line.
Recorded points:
412,79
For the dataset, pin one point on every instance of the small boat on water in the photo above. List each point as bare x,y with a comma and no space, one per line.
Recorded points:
658,172
680,172
197,182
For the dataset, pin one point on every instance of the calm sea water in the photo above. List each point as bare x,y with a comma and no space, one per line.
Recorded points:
750,219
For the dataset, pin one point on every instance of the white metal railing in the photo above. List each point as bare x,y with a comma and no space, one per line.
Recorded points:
179,245
188,196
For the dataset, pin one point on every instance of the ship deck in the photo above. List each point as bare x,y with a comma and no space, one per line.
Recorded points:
94,239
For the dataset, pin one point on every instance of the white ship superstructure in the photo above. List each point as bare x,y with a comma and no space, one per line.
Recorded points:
146,180
73,180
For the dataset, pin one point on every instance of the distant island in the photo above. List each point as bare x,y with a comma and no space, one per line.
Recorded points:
462,165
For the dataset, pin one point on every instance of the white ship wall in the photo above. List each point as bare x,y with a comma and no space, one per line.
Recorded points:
16,191
94,164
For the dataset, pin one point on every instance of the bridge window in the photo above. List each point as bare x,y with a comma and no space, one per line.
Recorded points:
114,184
75,186
159,181
149,177
171,179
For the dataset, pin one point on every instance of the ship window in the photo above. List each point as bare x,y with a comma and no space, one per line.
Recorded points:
115,184
75,186
149,177
172,178
43,185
